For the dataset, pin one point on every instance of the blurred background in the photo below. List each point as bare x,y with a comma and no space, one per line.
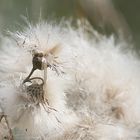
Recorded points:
107,16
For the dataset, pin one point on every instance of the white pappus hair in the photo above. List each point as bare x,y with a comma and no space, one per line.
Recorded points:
93,88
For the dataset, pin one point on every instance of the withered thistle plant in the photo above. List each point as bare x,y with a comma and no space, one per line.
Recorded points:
60,82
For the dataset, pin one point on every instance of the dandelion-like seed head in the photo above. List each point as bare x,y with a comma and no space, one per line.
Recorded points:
32,90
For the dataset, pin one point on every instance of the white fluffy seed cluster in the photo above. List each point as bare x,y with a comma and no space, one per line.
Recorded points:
97,97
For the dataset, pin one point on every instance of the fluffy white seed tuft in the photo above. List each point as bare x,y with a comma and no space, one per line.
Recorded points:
95,96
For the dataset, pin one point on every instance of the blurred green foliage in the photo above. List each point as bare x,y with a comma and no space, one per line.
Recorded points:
12,10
